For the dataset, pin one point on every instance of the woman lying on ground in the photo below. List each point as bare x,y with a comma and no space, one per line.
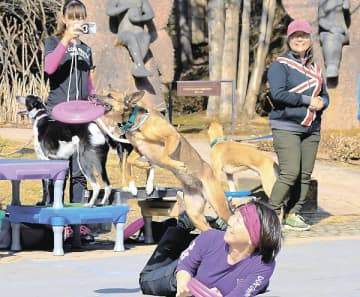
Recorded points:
235,263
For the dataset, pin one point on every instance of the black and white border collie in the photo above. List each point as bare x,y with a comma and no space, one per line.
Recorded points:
57,140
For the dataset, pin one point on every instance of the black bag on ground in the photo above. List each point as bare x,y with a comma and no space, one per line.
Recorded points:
36,237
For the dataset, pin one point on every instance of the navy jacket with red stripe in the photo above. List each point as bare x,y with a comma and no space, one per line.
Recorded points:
292,84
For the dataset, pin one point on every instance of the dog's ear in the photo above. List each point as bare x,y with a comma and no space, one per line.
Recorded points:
109,96
134,98
35,102
207,126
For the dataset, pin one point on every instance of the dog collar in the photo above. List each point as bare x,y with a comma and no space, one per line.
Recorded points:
33,113
129,125
131,120
217,140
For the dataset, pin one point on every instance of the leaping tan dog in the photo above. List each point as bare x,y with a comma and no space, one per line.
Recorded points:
230,156
153,137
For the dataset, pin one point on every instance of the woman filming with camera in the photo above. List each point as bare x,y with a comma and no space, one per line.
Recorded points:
68,66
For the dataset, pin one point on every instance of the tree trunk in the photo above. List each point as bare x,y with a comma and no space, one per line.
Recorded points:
184,33
198,21
230,54
266,26
216,29
243,67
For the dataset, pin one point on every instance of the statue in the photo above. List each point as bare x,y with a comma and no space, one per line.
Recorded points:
333,29
127,19
114,63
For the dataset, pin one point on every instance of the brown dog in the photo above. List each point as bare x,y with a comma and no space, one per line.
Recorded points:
153,137
108,125
229,157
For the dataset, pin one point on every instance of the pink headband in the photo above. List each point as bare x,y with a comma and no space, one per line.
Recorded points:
252,222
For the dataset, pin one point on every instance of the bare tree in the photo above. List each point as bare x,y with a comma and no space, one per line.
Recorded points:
216,29
198,21
23,26
244,52
230,54
183,12
267,19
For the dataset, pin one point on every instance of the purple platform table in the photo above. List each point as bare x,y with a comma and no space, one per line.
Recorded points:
16,170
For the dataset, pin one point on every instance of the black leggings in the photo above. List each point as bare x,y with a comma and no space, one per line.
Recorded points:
158,277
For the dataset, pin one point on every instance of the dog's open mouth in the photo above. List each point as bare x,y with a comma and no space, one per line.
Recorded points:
22,113
21,110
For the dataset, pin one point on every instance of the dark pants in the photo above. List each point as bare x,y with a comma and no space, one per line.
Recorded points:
296,154
78,184
78,181
158,277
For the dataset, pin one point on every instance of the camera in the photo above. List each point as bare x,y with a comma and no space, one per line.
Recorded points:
88,28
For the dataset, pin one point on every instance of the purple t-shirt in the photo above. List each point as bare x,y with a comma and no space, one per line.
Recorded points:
206,260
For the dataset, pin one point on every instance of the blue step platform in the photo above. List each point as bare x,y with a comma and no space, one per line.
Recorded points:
59,217
67,215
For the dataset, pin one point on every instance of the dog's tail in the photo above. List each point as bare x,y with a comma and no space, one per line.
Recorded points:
108,132
75,140
269,177
120,144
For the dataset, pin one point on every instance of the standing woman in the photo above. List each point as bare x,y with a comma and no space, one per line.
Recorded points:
299,95
69,77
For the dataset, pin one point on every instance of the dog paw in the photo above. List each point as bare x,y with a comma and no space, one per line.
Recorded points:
132,189
88,205
149,189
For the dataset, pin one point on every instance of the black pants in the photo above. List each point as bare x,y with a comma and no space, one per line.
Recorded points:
158,276
77,187
78,181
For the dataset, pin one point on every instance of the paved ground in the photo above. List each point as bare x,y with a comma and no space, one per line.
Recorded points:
316,268
320,262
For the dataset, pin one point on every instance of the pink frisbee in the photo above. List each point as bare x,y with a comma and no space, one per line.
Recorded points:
198,289
133,227
77,111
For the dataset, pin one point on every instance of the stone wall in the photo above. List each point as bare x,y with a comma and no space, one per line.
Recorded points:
342,113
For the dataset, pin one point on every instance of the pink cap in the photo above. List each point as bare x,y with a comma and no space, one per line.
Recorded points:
252,222
298,25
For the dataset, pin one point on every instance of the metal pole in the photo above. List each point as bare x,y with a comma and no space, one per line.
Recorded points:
170,103
233,107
